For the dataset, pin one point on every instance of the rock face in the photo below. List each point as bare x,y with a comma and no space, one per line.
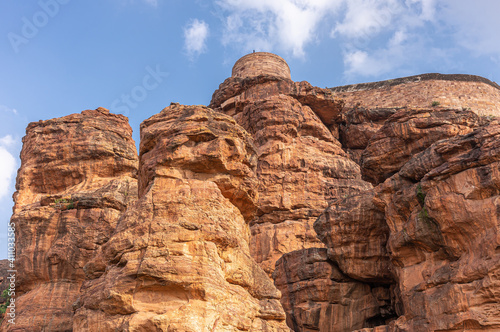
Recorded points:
408,132
301,165
355,231
317,296
179,260
380,218
456,91
442,209
77,176
358,125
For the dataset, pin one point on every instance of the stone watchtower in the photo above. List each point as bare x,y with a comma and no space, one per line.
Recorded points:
261,63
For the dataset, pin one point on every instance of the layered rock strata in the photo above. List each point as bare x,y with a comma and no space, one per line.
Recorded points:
187,240
357,126
407,132
301,165
179,260
317,296
443,210
356,233
77,177
427,237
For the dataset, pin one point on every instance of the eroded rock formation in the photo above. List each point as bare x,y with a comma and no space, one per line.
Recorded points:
318,296
179,260
442,209
186,237
358,125
407,132
301,165
77,176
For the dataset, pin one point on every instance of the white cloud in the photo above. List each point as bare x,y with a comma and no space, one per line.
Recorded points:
195,35
365,18
7,141
383,36
264,25
292,25
361,63
8,166
377,37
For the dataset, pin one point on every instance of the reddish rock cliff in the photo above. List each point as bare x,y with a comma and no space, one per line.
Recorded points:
77,176
443,212
301,165
186,237
180,260
408,132
317,296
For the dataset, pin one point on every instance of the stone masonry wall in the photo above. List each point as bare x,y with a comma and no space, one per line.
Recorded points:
261,63
451,91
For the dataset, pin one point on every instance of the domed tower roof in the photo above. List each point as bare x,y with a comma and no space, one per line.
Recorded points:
261,63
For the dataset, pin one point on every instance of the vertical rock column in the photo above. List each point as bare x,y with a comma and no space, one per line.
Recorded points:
180,260
77,176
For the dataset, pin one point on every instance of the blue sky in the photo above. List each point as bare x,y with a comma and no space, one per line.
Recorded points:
134,57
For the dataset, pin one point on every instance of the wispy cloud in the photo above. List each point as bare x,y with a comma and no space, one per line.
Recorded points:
6,109
382,36
195,36
365,18
7,141
377,37
287,25
8,165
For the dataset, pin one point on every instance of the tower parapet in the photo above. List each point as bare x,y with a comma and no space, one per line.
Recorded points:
261,63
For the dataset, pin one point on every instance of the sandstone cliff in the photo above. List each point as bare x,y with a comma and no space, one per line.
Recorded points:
300,163
77,176
179,259
367,217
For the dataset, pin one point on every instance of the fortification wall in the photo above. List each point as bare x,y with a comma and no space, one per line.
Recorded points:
261,63
451,91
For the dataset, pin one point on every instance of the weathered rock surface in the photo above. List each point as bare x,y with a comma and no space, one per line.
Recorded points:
408,132
301,165
443,212
317,296
76,178
355,232
237,92
77,149
179,260
358,125
186,237
4,267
